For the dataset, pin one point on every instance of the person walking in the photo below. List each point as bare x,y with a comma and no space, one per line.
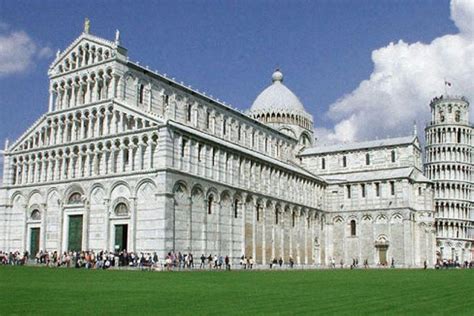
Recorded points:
203,262
209,261
227,263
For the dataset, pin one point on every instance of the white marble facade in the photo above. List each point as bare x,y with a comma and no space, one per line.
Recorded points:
127,156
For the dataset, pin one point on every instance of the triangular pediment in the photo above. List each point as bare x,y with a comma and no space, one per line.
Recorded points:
36,136
23,142
83,52
416,141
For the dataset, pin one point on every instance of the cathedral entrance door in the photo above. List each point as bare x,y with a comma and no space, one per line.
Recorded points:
121,237
383,255
34,241
75,233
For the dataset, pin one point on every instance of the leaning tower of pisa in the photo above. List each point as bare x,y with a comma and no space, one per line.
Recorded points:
449,164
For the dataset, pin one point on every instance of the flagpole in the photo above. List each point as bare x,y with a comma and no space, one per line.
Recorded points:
445,89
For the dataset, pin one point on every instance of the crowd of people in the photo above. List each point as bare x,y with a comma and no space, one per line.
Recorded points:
172,261
16,258
447,264
119,259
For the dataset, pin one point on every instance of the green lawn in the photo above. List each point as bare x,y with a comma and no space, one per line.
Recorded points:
34,290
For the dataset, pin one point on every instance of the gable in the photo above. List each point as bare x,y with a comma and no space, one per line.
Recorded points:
85,51
44,129
30,136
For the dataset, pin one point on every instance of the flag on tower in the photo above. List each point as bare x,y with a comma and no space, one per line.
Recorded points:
447,83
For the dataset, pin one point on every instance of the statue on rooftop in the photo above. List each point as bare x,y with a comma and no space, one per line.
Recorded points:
87,25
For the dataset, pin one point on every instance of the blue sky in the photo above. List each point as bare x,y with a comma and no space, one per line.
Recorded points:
227,48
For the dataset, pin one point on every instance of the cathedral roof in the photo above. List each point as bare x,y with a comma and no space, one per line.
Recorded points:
388,142
374,175
277,97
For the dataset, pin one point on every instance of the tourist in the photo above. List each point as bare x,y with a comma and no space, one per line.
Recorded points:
203,262
209,261
227,263
191,261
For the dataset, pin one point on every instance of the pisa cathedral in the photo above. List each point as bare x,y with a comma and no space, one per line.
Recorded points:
127,158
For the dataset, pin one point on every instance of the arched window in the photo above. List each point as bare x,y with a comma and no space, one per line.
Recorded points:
140,93
323,163
367,159
224,124
208,119
199,152
183,146
293,219
457,116
236,208
353,228
75,198
121,209
344,161
377,189
276,217
393,155
209,204
188,115
35,215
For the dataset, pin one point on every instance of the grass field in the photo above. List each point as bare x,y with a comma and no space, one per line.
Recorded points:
34,290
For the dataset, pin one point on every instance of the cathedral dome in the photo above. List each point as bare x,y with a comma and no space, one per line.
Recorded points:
277,97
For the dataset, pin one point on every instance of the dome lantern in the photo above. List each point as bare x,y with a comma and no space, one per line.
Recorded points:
277,76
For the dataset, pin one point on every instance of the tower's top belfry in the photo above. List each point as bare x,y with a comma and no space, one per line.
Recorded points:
447,109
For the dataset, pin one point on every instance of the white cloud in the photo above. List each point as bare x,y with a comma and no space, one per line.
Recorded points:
404,80
18,51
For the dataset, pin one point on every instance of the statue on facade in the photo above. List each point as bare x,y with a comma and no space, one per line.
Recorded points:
117,37
87,25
